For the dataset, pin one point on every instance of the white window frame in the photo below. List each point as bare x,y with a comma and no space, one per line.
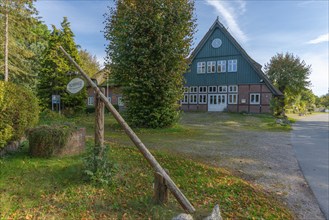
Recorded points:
203,99
185,99
201,67
221,66
185,89
253,99
212,89
202,89
211,66
120,101
233,88
110,99
193,89
193,99
222,89
232,65
91,100
232,98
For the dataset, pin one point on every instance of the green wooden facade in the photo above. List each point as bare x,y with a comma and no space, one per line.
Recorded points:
214,83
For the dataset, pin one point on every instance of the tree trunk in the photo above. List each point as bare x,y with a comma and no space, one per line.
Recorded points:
99,124
6,41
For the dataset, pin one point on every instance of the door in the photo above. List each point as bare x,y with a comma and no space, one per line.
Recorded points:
217,102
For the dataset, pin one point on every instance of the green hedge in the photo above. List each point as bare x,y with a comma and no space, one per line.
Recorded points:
47,140
19,110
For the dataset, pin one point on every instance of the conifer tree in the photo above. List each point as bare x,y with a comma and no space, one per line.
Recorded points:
57,70
19,36
149,41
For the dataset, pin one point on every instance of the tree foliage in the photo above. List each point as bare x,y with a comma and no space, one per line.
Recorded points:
149,41
26,38
290,75
56,70
89,62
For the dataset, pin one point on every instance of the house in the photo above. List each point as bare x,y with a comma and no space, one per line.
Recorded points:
223,77
111,91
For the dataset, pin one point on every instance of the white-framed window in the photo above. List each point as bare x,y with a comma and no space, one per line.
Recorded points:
232,98
110,99
185,99
222,89
91,100
120,101
211,66
193,89
254,98
202,89
201,67
202,99
212,89
193,99
221,66
185,89
233,88
232,65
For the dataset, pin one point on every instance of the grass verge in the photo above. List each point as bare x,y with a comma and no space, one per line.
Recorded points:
35,188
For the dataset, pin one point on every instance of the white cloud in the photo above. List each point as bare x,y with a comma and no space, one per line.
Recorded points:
229,15
320,39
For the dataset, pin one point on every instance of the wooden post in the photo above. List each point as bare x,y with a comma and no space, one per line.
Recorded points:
99,122
160,189
183,201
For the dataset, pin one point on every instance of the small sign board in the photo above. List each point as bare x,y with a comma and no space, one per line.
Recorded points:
75,85
55,99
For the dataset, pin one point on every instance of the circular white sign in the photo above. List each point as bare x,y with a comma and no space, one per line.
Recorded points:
216,43
75,85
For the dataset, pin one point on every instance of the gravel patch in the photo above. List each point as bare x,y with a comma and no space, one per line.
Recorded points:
266,159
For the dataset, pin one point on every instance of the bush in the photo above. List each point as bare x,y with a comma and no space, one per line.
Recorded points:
19,111
47,140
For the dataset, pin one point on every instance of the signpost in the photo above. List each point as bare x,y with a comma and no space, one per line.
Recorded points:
56,101
75,85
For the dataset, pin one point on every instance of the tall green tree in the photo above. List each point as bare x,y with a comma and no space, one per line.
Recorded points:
290,75
56,70
89,62
149,41
18,34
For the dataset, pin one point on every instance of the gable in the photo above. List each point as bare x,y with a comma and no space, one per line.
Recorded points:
248,71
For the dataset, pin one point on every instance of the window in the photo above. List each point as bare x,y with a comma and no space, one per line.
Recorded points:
222,89
185,99
91,100
201,67
110,100
193,89
254,98
203,99
193,99
232,65
202,89
221,66
211,66
212,89
185,89
233,88
120,101
232,98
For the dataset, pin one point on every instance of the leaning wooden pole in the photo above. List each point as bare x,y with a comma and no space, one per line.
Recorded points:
183,201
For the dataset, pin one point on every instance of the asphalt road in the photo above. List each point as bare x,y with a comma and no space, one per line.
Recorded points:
310,142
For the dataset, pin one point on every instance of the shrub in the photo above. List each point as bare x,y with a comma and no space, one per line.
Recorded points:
19,111
47,140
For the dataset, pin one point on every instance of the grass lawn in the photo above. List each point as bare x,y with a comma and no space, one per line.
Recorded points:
34,188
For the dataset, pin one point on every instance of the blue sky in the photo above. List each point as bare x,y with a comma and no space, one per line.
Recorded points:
263,28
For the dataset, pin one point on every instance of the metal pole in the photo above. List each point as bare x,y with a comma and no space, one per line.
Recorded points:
183,201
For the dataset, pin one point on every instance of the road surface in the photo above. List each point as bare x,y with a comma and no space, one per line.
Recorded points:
310,142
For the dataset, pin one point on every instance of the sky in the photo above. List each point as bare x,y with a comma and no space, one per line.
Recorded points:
263,28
